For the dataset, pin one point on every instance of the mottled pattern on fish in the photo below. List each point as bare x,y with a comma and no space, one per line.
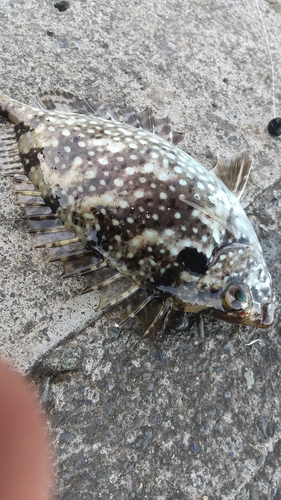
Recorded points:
143,208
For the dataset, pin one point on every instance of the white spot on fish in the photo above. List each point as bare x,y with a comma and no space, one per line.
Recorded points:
163,176
169,232
103,160
130,171
139,193
148,168
118,182
78,161
178,169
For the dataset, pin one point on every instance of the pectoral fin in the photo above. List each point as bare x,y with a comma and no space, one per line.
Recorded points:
234,172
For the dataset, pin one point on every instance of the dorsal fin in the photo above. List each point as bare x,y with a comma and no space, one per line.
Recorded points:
234,172
66,102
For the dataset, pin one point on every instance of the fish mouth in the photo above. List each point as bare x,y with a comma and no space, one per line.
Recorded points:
262,319
267,316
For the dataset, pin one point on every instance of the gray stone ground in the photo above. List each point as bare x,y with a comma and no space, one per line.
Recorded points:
188,418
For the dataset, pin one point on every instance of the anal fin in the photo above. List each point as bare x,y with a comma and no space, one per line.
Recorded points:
153,312
148,309
102,275
131,306
80,264
116,292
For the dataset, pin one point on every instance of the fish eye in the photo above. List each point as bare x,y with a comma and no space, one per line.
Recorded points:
240,295
237,297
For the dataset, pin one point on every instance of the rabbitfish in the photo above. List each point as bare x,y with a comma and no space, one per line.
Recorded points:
111,195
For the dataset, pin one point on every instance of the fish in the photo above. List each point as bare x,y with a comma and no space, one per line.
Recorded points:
111,195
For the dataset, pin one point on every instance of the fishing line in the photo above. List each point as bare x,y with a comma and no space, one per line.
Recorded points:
270,55
274,126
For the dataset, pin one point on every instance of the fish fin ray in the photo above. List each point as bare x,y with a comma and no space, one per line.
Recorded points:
40,212
30,198
148,309
159,126
145,119
10,161
101,276
45,225
130,307
80,264
163,128
116,292
71,251
177,137
66,102
61,101
55,239
152,313
129,116
234,172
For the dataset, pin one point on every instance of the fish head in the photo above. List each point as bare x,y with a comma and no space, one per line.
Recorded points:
235,287
239,286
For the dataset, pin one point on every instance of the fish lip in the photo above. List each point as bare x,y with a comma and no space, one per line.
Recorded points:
266,318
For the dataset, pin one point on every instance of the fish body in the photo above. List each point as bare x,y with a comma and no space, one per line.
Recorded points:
158,226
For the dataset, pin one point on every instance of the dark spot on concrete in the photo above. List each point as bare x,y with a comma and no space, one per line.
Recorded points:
61,5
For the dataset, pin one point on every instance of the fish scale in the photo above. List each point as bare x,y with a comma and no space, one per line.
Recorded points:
167,233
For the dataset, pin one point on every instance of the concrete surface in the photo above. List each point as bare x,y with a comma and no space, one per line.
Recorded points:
189,418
